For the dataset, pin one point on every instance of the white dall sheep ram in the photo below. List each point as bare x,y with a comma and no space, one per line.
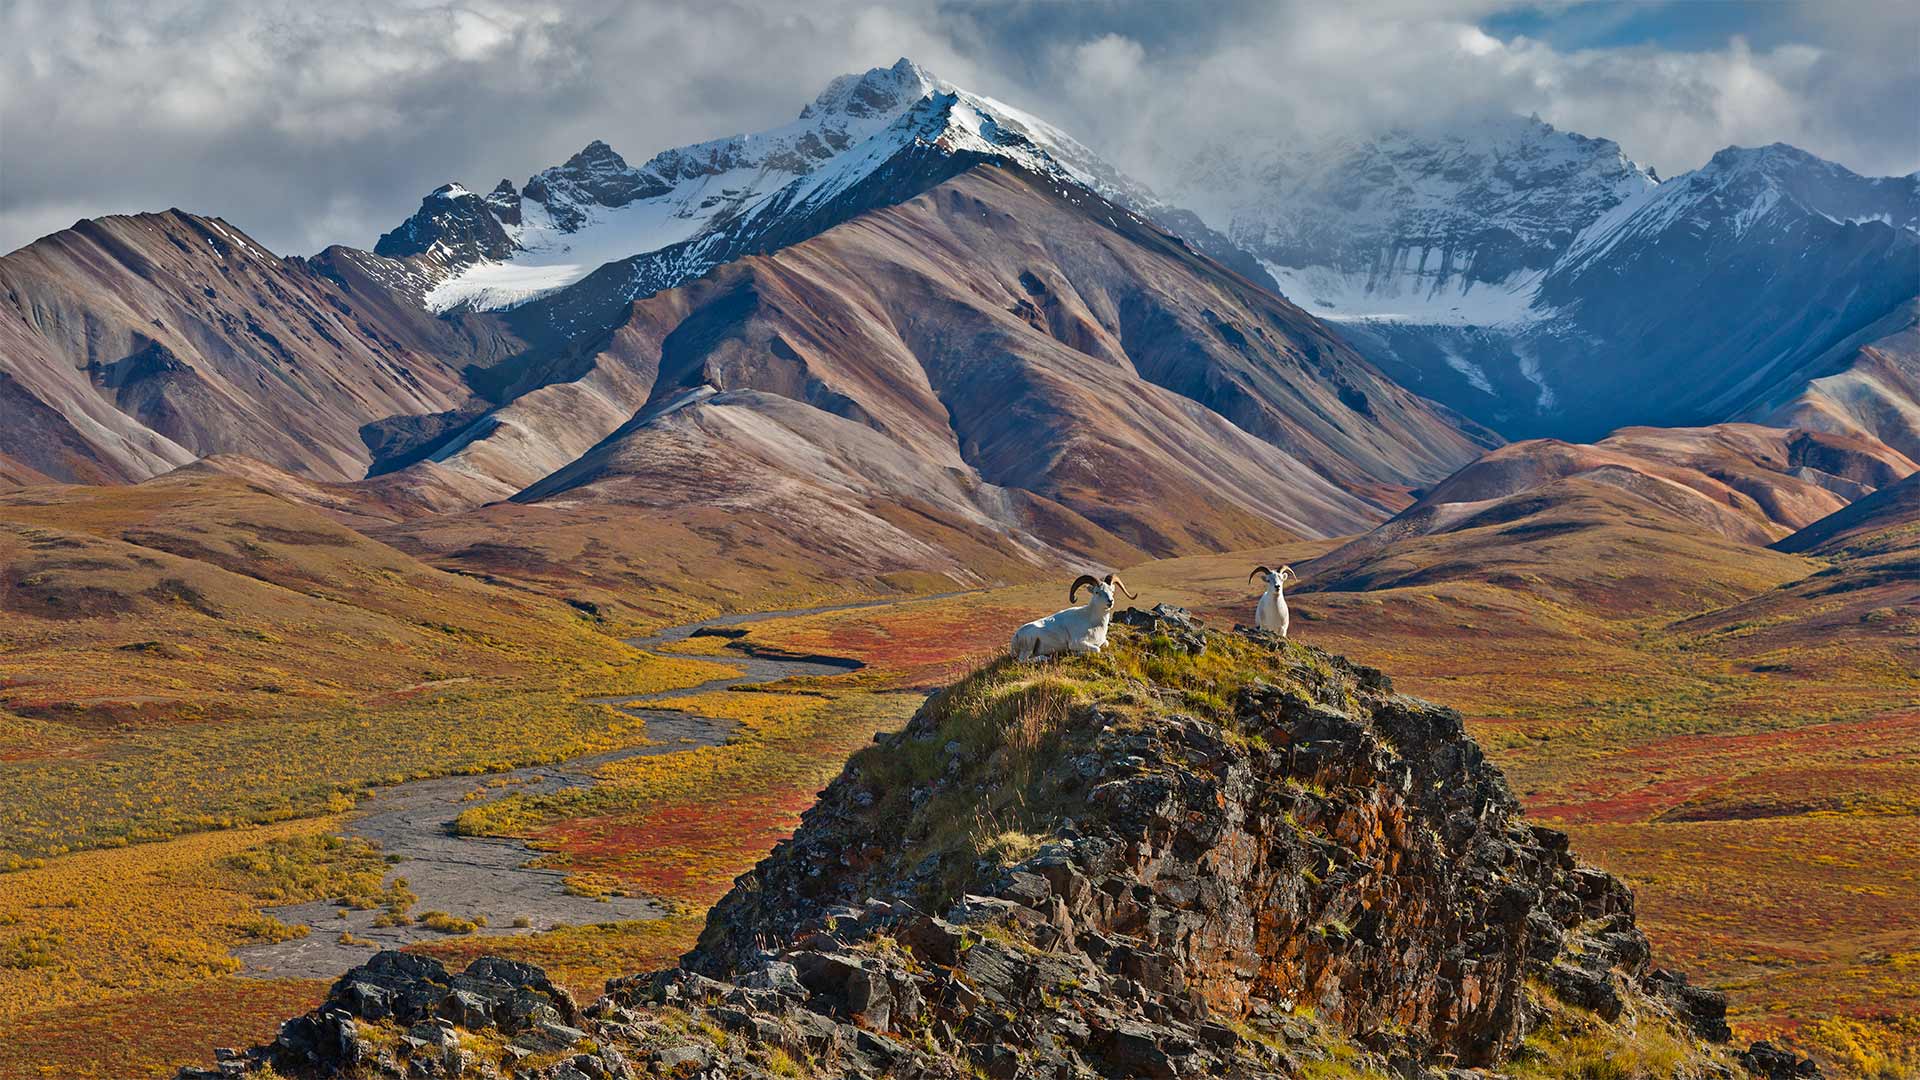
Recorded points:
1271,612
1081,629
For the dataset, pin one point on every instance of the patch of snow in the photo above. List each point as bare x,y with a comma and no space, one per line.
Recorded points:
1530,371
1752,212
1410,293
1391,228
1646,214
705,192
1475,374
552,258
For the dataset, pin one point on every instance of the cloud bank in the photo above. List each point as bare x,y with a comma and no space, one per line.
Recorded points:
315,124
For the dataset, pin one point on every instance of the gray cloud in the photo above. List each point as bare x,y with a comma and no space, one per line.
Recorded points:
314,124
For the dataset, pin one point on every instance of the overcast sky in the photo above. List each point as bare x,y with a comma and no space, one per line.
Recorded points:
308,124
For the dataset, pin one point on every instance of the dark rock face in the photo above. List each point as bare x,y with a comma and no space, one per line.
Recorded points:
1333,878
455,226
1764,1059
594,176
416,996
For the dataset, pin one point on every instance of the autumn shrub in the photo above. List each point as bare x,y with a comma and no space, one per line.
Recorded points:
449,924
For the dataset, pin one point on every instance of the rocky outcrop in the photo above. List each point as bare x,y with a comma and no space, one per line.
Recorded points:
1197,854
456,227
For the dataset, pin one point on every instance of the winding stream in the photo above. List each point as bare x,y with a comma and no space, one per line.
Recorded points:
487,876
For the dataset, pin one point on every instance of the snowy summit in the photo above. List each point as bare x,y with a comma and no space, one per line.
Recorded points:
688,209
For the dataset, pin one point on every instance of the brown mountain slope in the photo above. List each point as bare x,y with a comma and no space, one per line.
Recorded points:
129,345
361,504
1744,482
1889,508
1788,477
225,578
1868,386
14,473
1667,505
1019,336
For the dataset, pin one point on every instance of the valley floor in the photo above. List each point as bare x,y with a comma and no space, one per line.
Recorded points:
1673,757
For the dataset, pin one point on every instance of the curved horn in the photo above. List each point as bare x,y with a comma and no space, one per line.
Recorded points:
1258,570
1121,585
1073,594
1287,571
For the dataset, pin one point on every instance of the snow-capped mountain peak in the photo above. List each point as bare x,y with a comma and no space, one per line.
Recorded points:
1447,225
881,91
1541,282
1743,188
689,208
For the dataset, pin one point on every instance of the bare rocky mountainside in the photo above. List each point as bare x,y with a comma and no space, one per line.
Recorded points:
993,337
132,345
915,329
1087,870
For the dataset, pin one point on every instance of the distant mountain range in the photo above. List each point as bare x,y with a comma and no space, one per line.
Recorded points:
913,315
1544,284
917,329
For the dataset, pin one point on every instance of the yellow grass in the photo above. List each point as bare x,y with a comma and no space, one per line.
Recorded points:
94,923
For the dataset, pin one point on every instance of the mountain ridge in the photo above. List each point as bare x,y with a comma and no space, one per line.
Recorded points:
1212,394
1720,287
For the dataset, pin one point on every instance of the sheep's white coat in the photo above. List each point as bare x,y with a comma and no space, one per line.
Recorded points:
1271,612
1080,629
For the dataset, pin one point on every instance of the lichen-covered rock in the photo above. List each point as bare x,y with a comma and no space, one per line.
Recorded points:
1196,854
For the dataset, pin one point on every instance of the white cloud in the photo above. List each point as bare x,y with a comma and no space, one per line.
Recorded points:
1311,70
1109,63
312,124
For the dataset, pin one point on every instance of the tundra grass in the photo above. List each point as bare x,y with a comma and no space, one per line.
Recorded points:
149,1034
117,962
152,783
683,826
139,918
581,958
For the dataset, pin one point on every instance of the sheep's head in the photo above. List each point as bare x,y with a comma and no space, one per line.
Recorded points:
1275,578
1102,589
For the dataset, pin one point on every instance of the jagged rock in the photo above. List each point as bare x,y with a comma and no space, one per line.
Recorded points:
1176,623
1763,1059
1704,1010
